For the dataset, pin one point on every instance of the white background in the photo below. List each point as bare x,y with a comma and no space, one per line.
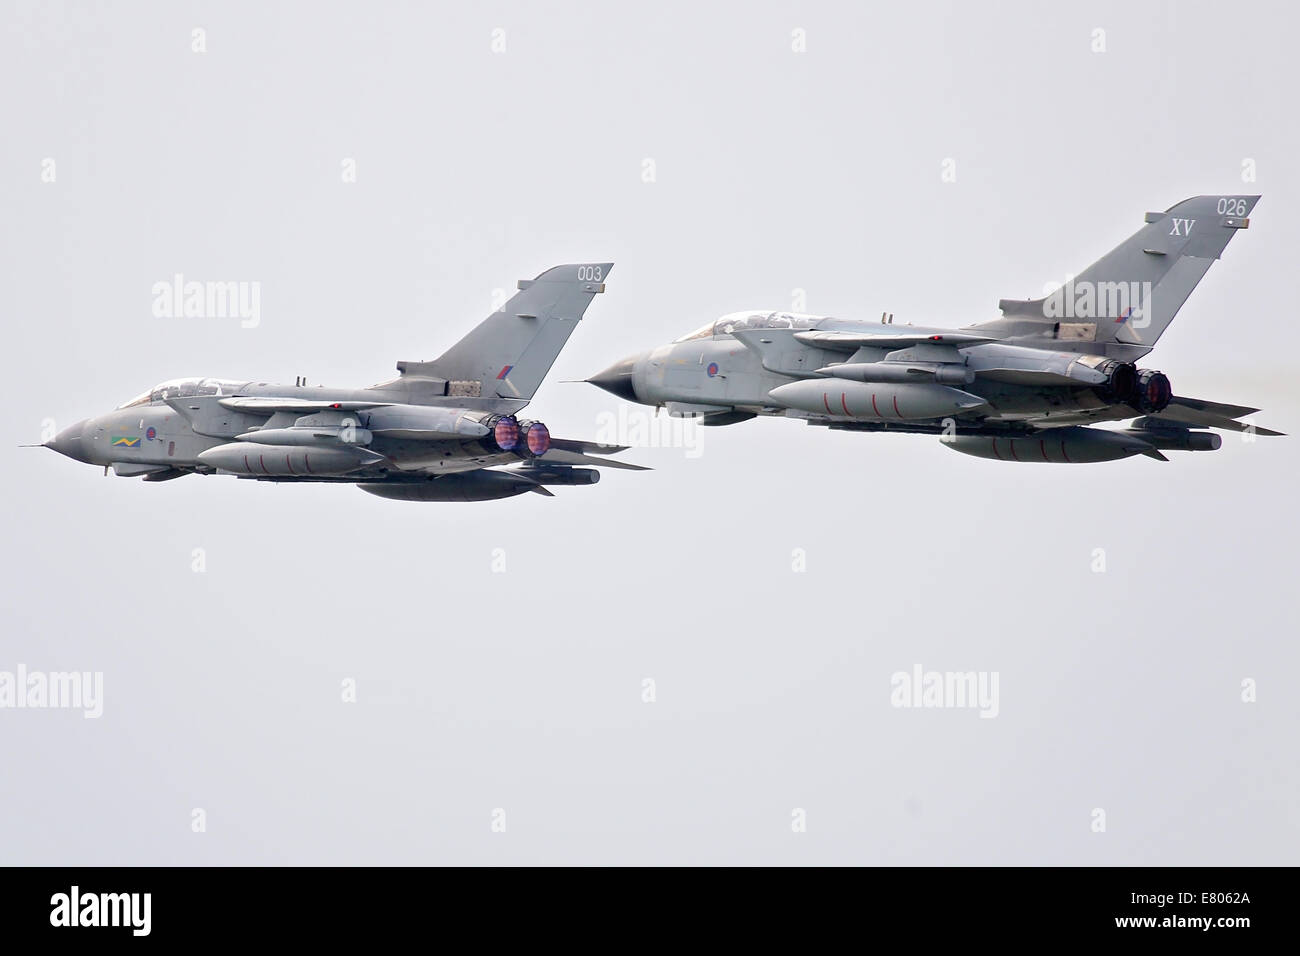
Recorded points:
775,171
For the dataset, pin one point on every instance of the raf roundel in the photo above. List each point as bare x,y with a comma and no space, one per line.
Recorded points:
151,434
712,369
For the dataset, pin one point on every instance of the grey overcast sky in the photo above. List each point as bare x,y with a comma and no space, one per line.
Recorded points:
500,650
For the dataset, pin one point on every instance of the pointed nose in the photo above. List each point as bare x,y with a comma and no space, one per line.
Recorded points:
71,443
617,379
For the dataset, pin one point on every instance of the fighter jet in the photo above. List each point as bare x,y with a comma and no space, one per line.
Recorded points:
445,430
1026,387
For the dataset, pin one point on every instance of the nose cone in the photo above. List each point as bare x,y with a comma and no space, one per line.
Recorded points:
617,379
70,442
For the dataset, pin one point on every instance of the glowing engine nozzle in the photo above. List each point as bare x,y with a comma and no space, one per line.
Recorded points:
1121,380
1153,391
505,433
537,438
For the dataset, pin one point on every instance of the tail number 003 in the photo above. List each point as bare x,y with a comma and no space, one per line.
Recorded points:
589,273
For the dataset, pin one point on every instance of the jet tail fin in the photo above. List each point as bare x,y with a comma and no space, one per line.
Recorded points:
509,353
1125,300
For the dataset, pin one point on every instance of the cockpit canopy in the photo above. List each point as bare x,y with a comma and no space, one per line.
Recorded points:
752,320
184,388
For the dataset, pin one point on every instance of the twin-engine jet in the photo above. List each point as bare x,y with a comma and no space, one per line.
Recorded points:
1024,387
446,430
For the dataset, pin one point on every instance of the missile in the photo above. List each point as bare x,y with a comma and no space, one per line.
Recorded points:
471,486
875,402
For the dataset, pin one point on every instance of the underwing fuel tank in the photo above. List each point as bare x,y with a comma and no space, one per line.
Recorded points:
1066,446
472,486
480,485
250,458
875,401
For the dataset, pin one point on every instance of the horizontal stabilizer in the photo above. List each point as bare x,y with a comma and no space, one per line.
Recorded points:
583,447
1192,417
1213,408
559,456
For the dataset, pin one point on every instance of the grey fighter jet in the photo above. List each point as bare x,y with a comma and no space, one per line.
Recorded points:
1024,387
446,430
